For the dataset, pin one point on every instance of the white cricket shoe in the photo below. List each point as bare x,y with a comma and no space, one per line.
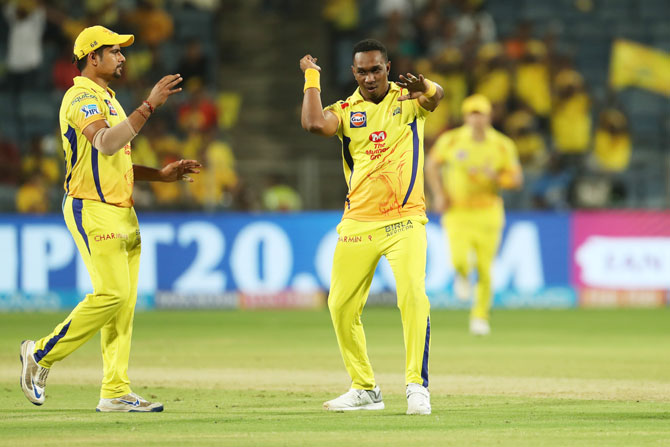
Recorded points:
479,326
357,400
130,403
462,288
33,376
418,399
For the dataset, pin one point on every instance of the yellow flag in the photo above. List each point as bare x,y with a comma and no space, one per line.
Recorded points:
641,66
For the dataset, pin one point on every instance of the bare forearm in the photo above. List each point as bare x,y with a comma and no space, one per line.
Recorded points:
147,174
312,117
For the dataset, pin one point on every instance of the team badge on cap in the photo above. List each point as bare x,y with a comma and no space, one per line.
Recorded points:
358,119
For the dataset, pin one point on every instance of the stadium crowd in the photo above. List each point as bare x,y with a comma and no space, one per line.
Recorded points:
573,148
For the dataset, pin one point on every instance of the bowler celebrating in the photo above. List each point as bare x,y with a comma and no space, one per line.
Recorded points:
381,129
98,210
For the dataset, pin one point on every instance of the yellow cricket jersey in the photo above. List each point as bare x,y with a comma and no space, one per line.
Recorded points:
382,152
91,174
466,163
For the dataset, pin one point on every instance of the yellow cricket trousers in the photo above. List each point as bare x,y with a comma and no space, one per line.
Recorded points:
359,248
475,230
108,239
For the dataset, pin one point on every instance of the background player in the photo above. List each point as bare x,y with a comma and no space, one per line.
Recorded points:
381,129
98,209
465,170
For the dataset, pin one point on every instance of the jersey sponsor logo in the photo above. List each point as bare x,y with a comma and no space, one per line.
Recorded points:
396,111
112,110
82,97
358,119
398,228
90,110
351,239
110,236
378,137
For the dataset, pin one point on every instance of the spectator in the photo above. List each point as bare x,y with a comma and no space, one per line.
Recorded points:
521,127
30,197
219,179
474,26
198,113
194,64
36,161
64,71
449,65
278,196
571,115
515,45
10,162
551,190
493,79
612,145
153,25
532,85
27,21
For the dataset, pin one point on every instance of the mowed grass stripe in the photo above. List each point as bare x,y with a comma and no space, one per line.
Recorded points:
259,378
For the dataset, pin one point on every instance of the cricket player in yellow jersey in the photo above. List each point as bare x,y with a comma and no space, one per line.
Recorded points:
381,129
98,210
466,169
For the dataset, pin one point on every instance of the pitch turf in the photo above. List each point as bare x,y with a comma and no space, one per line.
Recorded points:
544,378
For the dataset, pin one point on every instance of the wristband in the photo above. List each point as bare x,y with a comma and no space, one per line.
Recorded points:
149,106
431,90
146,117
312,79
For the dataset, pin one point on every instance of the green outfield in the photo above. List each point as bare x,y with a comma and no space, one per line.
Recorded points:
544,378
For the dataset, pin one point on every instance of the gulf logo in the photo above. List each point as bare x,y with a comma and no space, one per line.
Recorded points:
358,119
378,137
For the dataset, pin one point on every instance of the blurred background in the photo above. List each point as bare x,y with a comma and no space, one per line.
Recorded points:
581,86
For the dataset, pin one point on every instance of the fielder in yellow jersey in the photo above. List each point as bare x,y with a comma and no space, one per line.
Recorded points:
466,169
98,212
381,130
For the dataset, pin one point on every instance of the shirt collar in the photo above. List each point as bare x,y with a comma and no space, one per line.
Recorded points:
83,81
357,97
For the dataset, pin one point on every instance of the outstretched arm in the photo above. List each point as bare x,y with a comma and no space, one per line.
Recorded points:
428,92
110,140
172,172
312,116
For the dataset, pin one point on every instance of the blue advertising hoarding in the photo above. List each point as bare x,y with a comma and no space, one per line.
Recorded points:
267,260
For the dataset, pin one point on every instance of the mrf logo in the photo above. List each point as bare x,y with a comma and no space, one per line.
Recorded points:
378,137
358,119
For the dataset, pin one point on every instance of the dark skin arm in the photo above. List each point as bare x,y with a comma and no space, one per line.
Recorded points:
177,170
312,117
417,87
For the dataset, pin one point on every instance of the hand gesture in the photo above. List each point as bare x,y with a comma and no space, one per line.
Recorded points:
308,62
164,88
177,170
415,86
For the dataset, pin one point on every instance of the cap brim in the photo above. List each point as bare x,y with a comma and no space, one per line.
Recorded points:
125,40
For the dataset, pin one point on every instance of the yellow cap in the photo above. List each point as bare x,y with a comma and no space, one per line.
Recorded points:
94,37
476,103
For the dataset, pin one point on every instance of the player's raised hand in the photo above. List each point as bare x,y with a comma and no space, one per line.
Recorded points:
308,62
163,89
415,86
178,170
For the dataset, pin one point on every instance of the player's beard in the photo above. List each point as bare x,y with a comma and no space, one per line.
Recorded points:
117,72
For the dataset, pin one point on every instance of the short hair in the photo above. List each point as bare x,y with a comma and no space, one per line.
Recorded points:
370,45
81,63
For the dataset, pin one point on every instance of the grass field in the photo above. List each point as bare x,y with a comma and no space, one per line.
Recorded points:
544,378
